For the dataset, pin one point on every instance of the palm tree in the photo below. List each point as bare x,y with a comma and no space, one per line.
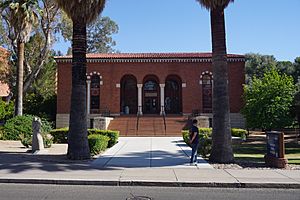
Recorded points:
81,14
21,16
221,136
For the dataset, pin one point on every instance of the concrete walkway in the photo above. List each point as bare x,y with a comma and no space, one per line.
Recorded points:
148,152
133,162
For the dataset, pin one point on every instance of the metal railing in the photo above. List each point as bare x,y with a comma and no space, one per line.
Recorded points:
163,113
138,117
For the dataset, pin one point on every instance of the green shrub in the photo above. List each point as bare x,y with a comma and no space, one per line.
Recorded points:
97,143
206,131
237,132
205,145
15,127
204,141
112,135
60,135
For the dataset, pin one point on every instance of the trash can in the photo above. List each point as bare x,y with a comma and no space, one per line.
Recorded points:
126,110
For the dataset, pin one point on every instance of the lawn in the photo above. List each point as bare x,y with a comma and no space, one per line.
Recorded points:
254,149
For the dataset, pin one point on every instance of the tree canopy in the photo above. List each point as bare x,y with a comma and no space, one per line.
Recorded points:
268,101
99,34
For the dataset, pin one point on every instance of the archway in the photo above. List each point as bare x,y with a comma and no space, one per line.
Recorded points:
173,95
129,95
151,95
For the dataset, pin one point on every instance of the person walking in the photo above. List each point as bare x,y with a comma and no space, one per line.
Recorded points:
194,142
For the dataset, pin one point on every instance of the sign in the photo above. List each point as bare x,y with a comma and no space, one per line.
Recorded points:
275,150
273,144
152,94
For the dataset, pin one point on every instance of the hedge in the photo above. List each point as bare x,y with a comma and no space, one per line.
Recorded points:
97,143
205,138
61,135
237,132
112,135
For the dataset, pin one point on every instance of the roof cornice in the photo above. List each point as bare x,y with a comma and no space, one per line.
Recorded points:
148,60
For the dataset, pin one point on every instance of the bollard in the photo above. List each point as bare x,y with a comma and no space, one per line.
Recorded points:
37,139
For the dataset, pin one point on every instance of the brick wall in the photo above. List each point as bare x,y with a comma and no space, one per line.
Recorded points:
113,72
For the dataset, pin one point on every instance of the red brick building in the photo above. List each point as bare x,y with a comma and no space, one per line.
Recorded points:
150,84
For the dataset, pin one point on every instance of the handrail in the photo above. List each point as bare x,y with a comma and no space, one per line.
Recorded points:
163,113
138,117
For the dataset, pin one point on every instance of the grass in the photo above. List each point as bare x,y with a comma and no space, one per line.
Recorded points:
254,150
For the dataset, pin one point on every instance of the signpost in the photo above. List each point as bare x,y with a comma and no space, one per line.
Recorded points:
275,150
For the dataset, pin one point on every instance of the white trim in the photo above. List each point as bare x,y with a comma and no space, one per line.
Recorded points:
147,60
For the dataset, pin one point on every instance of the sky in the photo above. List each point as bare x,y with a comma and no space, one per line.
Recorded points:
269,27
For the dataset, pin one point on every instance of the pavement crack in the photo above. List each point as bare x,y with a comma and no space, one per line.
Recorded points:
278,172
175,175
240,183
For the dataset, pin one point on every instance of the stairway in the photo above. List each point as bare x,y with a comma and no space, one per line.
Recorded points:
148,125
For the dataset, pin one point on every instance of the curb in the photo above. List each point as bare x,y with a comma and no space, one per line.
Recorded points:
151,183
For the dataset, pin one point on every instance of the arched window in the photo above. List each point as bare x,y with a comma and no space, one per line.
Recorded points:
95,94
206,80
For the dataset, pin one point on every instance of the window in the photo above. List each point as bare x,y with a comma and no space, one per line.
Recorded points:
207,93
95,94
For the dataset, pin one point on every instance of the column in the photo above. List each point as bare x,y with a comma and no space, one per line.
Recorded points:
140,108
162,99
88,101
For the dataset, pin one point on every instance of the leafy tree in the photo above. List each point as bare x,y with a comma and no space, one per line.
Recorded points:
257,64
99,34
268,101
286,67
6,110
37,49
81,13
221,137
297,69
21,16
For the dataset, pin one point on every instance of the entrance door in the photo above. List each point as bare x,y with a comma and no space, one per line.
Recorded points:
151,97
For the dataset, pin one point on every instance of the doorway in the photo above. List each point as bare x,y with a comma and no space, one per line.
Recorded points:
151,95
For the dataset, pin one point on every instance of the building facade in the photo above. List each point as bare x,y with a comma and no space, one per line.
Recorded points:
150,84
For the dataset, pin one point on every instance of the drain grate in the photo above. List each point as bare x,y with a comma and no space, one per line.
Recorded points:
139,198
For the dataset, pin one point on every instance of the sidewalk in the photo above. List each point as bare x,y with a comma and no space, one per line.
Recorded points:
149,162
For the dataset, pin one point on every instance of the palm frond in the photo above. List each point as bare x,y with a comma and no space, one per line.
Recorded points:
211,4
86,10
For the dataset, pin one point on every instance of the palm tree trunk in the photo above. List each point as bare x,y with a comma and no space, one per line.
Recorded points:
20,74
221,136
78,148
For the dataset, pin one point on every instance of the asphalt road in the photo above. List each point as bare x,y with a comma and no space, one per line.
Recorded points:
61,192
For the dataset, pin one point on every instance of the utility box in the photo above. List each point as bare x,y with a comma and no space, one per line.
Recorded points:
275,150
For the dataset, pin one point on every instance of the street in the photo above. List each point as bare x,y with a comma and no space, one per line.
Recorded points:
60,192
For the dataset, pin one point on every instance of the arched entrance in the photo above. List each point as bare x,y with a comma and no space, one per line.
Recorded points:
129,95
173,95
151,95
